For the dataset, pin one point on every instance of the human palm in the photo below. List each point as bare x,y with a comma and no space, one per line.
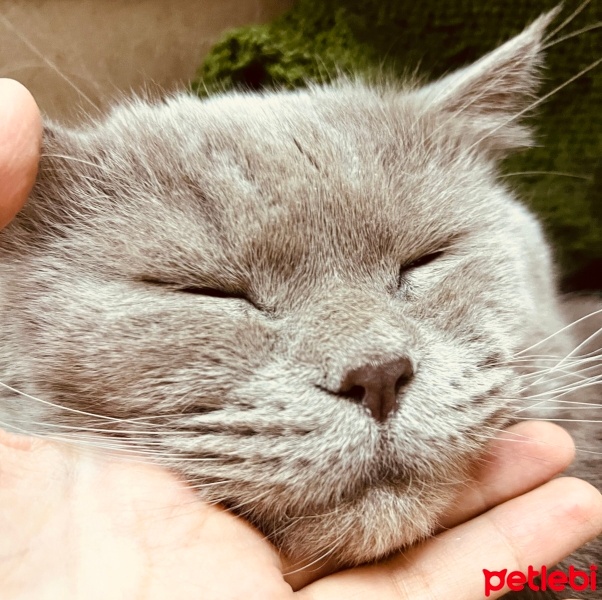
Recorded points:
77,523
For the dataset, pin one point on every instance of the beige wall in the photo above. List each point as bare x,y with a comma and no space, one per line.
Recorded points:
104,47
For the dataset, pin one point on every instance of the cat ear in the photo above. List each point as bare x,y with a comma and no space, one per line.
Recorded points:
491,95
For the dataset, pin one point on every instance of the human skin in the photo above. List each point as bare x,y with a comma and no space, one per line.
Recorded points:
81,523
20,136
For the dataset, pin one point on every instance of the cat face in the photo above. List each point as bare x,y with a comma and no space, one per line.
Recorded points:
306,303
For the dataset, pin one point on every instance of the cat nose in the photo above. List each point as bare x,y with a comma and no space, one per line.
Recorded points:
376,386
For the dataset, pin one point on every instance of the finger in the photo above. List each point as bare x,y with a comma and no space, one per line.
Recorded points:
20,138
519,460
539,528
522,458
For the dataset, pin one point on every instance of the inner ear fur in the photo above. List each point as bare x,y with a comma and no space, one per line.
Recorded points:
488,97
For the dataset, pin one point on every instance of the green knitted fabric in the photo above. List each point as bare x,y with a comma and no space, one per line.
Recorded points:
318,38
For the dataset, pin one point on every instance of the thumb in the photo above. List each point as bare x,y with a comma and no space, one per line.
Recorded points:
20,139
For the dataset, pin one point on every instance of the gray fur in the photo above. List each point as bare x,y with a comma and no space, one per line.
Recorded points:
306,203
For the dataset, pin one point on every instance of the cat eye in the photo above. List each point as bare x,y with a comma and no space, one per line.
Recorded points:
215,293
211,292
423,261
202,291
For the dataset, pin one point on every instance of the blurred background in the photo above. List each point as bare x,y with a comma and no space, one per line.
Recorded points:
106,47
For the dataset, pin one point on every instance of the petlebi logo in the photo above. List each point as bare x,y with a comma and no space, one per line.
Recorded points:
541,580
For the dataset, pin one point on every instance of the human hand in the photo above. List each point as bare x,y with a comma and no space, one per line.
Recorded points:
78,524
75,523
20,137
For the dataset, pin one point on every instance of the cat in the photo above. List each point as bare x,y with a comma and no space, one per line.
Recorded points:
316,306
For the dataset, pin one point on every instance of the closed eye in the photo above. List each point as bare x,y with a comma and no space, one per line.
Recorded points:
423,261
202,291
211,292
217,293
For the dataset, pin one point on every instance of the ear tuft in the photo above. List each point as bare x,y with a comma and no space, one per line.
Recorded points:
494,91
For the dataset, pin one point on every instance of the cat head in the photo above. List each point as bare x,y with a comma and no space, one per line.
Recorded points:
304,302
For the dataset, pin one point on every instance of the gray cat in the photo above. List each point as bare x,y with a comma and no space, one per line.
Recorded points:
313,305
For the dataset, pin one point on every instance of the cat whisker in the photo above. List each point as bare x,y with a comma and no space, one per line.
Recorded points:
527,439
571,402
581,450
536,357
591,357
567,21
552,173
573,367
562,375
323,557
571,378
238,506
19,34
566,389
514,437
562,329
586,341
556,408
543,400
540,366
120,431
573,34
109,450
562,420
320,559
208,484
536,102
67,409
139,448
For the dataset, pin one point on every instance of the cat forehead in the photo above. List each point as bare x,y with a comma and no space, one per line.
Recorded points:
336,179
349,151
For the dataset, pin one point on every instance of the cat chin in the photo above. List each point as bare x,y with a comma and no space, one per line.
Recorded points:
384,520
